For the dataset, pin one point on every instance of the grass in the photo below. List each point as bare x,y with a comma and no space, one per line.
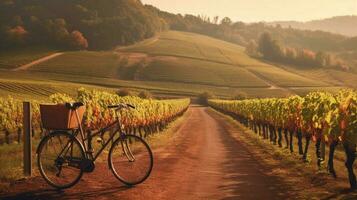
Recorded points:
11,162
168,134
172,64
282,78
190,45
348,78
200,72
86,63
333,77
200,57
16,57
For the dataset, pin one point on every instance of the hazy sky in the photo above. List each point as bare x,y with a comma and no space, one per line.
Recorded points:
260,10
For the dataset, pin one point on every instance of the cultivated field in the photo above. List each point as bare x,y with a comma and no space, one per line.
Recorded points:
14,58
171,64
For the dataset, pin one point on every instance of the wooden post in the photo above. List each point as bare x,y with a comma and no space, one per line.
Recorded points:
27,139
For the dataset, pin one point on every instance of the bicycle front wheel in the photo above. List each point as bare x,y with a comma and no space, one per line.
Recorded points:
130,159
59,157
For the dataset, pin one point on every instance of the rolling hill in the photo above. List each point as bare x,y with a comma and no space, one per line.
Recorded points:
344,25
172,63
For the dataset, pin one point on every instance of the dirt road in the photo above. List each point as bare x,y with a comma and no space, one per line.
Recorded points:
38,61
203,161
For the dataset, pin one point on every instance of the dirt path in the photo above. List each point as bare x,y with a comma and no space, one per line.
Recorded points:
38,61
272,85
203,161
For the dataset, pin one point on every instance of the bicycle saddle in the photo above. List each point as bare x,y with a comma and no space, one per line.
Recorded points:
74,106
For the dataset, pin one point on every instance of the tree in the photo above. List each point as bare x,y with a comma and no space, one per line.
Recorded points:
17,21
17,35
252,48
55,31
328,60
226,21
204,97
306,58
215,20
320,58
290,55
269,48
77,40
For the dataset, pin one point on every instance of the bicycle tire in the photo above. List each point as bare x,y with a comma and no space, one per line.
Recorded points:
120,173
40,159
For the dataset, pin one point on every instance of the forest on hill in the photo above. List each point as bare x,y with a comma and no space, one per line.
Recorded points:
75,24
242,33
344,25
97,25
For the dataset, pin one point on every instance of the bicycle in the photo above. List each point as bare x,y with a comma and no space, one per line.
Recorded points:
63,158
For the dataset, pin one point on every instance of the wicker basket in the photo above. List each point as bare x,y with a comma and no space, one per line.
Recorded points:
58,117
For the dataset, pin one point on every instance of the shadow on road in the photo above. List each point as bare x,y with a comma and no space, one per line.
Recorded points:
50,194
245,177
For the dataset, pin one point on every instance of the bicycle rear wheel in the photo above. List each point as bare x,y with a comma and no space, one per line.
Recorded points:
59,158
130,159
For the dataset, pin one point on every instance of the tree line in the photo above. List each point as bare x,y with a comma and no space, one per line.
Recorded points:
75,24
242,33
272,50
96,25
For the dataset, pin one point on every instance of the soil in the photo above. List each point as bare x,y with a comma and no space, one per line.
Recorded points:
202,161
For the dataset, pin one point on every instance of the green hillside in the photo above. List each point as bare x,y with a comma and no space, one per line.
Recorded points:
172,63
196,55
85,63
13,58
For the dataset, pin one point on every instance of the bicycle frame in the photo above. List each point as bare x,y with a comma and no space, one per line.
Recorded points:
68,149
87,141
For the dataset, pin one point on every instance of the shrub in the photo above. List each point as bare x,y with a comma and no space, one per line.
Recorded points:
204,97
124,92
145,95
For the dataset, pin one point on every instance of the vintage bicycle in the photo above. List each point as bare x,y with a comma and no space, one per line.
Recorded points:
67,152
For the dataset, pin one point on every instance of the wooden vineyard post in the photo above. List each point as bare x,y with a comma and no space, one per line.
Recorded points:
27,139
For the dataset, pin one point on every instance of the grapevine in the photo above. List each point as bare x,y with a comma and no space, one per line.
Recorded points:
150,115
327,119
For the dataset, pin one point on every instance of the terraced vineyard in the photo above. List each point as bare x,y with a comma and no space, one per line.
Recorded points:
284,79
182,52
173,63
201,72
35,89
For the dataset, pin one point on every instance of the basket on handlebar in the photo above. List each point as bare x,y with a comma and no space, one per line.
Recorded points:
59,117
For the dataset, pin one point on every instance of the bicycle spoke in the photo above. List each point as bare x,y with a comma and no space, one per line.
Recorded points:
55,160
131,160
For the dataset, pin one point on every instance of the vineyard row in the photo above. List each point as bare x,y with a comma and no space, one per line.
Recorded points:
149,116
325,118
